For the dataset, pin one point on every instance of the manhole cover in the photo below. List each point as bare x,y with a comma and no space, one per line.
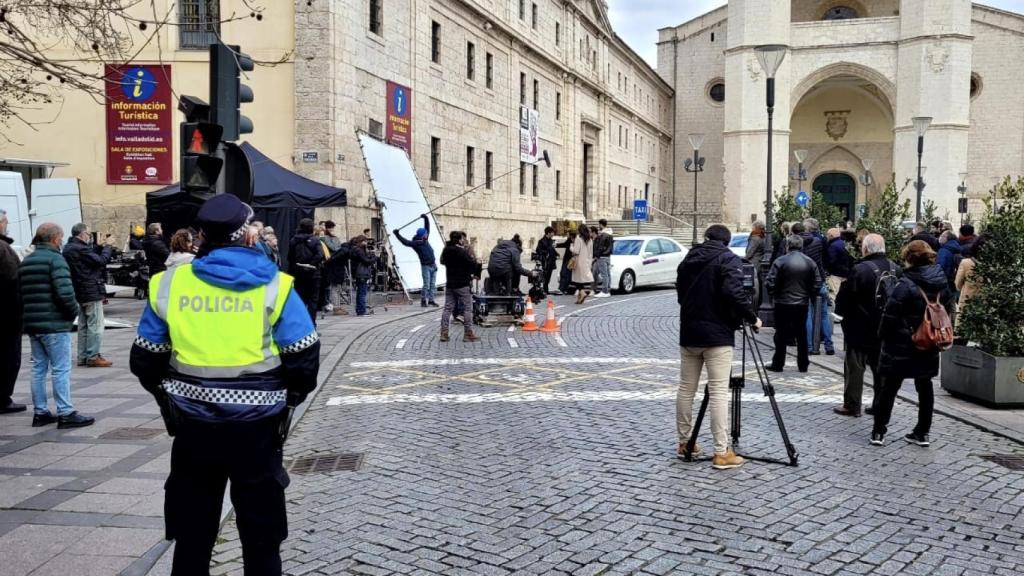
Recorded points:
1011,461
131,434
324,463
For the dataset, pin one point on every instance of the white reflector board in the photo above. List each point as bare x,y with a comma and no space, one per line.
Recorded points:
401,201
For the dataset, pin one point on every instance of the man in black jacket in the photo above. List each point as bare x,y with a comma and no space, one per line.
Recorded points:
815,249
792,281
10,332
712,305
155,248
363,265
460,267
858,304
305,259
420,244
603,245
548,254
88,265
505,266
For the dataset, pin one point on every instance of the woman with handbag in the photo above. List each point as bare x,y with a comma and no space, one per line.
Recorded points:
582,263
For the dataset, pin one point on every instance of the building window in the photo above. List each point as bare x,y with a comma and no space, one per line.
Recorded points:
536,95
489,70
976,85
200,23
535,180
376,16
489,170
435,159
627,138
840,13
558,184
717,92
522,9
470,153
620,135
522,88
558,105
435,42
470,61
620,194
558,34
376,129
533,16
522,178
620,81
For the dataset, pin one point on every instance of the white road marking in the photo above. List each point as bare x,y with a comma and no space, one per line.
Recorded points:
559,307
401,343
603,304
554,396
510,361
512,328
417,329
512,342
561,342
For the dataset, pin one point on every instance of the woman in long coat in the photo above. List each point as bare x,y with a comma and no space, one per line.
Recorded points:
582,275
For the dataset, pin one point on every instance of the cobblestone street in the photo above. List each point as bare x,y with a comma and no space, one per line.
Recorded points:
536,453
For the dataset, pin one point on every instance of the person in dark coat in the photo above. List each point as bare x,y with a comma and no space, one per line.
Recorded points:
363,266
505,265
564,274
88,265
921,232
814,248
900,359
50,308
857,303
155,248
949,256
460,269
755,243
967,237
420,244
10,332
548,254
792,281
305,258
712,305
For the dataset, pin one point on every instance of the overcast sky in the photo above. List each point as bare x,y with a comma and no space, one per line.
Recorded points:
638,20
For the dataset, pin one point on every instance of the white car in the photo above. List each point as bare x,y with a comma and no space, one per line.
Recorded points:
738,244
644,261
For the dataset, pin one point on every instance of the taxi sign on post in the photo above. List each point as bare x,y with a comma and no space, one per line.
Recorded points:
639,209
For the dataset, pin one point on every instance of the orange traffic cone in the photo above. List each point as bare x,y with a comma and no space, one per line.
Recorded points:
550,324
530,317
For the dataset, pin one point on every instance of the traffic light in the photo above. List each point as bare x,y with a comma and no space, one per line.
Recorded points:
200,167
227,93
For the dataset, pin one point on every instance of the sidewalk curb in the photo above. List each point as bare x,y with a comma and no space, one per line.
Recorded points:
145,564
938,410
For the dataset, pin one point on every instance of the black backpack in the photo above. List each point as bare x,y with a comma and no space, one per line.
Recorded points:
885,282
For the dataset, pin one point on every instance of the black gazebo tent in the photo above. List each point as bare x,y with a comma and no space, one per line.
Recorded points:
280,199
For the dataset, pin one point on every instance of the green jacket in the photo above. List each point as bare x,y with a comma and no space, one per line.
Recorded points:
48,297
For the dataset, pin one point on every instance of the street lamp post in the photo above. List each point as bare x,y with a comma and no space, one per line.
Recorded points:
962,189
800,176
921,124
696,166
770,56
867,179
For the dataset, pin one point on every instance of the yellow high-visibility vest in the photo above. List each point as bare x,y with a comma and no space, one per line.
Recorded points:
216,332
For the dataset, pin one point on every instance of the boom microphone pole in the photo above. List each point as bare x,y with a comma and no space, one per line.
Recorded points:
545,158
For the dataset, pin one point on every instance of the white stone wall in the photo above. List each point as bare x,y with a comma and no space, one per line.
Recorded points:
341,83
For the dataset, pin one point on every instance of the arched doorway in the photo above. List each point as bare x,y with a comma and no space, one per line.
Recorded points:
839,190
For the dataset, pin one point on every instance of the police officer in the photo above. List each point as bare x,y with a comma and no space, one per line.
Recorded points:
228,349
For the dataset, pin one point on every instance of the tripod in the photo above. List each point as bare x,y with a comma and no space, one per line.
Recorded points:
736,385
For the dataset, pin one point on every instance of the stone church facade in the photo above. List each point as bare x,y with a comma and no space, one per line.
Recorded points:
604,114
856,73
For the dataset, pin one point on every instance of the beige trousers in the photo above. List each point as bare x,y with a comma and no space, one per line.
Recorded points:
833,288
719,363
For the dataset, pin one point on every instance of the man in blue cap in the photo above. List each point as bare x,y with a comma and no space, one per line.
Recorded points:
228,350
428,264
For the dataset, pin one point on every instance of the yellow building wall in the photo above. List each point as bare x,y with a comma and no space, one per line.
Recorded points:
73,130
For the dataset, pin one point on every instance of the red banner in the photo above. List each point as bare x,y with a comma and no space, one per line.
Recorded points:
140,144
399,124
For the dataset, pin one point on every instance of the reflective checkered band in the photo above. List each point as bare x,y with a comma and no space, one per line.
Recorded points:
152,346
301,344
224,395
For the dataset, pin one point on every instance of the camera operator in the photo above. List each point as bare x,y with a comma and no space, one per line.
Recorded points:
505,266
713,304
548,255
364,262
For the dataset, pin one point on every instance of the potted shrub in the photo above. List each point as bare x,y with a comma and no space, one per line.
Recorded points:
990,368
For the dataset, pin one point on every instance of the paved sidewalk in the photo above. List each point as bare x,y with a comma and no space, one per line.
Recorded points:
90,501
1006,422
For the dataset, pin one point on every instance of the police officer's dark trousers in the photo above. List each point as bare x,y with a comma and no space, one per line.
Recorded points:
203,458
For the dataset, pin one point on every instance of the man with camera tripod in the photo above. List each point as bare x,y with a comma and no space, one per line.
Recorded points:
713,304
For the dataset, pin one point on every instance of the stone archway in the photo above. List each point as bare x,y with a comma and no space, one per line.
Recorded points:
885,87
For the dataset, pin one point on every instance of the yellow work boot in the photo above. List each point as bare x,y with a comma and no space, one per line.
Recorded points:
727,460
681,451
